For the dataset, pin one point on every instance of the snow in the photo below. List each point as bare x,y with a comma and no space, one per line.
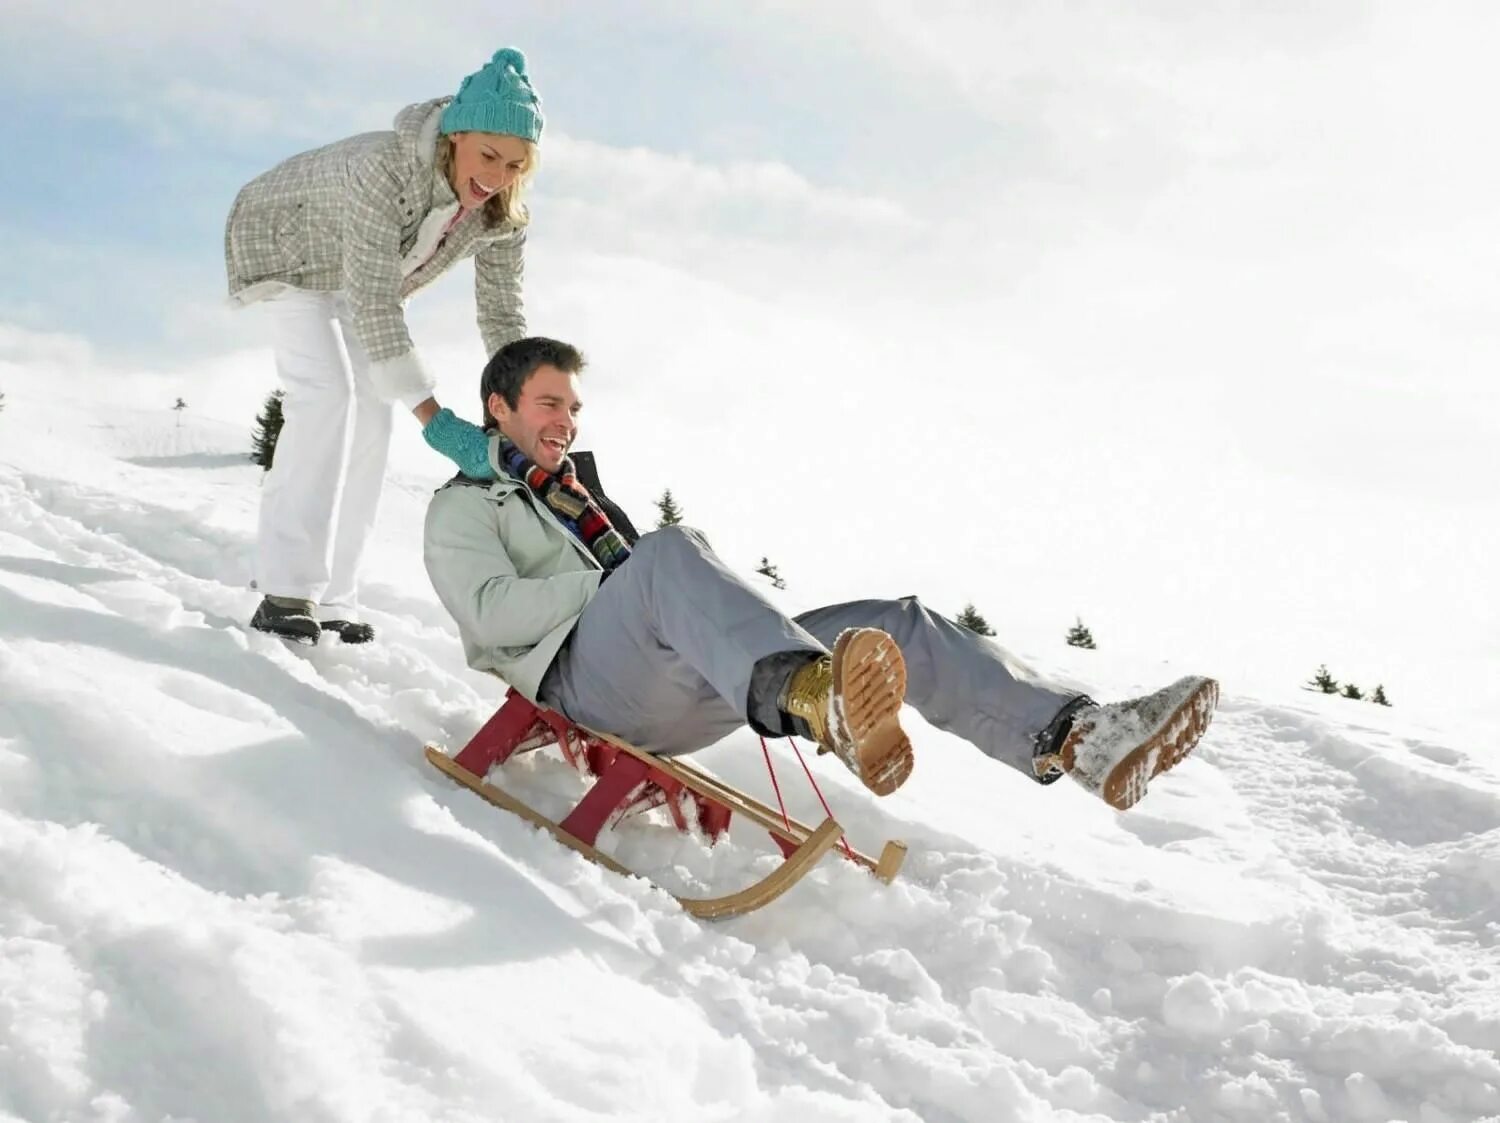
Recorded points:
232,889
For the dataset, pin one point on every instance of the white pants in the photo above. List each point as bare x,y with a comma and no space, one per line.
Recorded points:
319,499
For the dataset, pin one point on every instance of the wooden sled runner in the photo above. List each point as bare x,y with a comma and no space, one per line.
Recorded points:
629,781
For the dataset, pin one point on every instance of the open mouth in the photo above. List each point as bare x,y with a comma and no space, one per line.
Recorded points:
479,190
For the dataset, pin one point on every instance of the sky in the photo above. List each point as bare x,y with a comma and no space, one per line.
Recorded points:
1176,319
233,889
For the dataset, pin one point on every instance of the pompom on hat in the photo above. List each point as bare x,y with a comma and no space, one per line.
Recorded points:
496,98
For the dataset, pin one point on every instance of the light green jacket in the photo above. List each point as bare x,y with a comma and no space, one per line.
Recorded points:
509,573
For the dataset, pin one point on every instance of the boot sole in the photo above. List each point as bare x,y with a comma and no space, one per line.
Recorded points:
869,674
1172,740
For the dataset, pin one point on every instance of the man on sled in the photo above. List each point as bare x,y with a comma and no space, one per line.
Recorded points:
655,641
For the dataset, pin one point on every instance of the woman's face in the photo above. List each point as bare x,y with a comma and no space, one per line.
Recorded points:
484,164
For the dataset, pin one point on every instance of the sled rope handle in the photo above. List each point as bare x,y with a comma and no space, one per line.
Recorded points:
776,787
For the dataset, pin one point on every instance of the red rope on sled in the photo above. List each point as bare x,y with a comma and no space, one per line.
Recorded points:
776,787
844,842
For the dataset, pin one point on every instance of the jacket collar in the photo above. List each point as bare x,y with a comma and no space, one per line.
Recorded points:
417,128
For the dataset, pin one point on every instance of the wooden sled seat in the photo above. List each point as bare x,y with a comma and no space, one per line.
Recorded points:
629,781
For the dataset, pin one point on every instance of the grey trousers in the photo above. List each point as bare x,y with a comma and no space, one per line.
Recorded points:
664,655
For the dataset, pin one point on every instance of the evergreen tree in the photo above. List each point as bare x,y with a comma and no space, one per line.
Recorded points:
668,513
1352,691
1379,697
178,408
1080,636
2,403
268,429
970,618
1322,681
768,570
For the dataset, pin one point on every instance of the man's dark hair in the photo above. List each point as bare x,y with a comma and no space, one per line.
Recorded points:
517,361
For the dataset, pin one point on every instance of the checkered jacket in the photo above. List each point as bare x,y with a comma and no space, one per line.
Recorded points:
350,216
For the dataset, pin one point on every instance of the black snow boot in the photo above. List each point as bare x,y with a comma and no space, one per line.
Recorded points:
287,617
349,631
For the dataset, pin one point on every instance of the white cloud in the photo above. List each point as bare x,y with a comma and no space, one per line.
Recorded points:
760,227
24,347
303,70
640,184
207,107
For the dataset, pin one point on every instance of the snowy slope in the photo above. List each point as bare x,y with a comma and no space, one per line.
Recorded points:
231,889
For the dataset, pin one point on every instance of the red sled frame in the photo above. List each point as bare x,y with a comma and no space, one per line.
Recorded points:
630,781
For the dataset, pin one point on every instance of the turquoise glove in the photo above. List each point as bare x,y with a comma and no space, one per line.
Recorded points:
462,442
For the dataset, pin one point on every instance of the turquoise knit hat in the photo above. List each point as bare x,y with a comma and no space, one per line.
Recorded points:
496,98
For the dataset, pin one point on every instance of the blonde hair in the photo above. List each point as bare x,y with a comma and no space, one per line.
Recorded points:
506,207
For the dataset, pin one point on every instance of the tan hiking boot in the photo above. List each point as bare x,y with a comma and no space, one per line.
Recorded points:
1115,750
850,702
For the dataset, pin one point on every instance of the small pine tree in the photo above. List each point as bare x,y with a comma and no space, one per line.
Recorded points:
668,513
970,618
2,403
1079,635
268,429
178,408
1379,697
1352,691
1322,681
766,569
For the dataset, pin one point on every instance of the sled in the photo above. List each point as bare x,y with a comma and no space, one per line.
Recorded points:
629,781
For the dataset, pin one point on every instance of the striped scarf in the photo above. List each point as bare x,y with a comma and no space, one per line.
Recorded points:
570,501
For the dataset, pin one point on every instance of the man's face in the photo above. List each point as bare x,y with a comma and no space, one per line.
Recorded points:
545,421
